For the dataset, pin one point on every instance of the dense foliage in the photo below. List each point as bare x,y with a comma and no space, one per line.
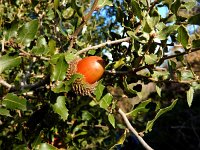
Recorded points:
147,71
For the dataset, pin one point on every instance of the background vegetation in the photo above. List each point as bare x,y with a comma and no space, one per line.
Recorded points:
151,74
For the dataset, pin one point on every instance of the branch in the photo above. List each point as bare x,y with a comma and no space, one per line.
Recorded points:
85,20
4,83
140,139
103,44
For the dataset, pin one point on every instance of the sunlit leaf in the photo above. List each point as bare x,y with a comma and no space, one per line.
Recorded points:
12,101
150,59
120,141
86,115
190,94
102,3
111,119
183,36
46,146
59,70
136,9
106,101
27,32
4,112
7,62
99,90
160,112
60,108
165,32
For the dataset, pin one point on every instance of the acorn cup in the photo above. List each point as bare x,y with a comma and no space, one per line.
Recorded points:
92,69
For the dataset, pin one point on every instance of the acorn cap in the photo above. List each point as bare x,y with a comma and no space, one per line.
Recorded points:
79,86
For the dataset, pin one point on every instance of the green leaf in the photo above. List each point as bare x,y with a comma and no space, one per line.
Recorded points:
56,3
12,101
69,56
166,31
60,108
37,141
27,32
12,32
136,9
106,101
111,119
102,3
52,47
194,19
140,108
41,47
183,36
99,90
46,146
59,70
150,59
5,112
119,63
158,90
120,141
6,62
175,6
196,43
160,112
86,115
190,94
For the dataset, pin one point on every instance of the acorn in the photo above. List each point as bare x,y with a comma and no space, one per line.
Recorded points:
92,69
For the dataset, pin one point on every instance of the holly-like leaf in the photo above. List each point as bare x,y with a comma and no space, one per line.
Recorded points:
99,90
150,59
41,47
111,119
160,112
12,32
166,31
175,6
59,70
106,101
7,62
120,141
27,32
183,36
190,94
46,146
60,108
4,112
194,20
12,101
102,3
136,9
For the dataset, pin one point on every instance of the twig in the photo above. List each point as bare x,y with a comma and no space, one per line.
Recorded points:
4,83
103,44
84,21
140,139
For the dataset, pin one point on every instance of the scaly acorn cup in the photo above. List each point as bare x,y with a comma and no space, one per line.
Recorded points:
92,69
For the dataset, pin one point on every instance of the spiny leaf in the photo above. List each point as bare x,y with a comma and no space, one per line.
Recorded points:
5,112
6,62
12,101
59,70
183,36
99,90
150,59
106,101
60,108
102,3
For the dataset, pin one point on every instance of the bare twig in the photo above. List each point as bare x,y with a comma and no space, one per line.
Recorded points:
103,44
24,53
140,139
84,21
4,83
